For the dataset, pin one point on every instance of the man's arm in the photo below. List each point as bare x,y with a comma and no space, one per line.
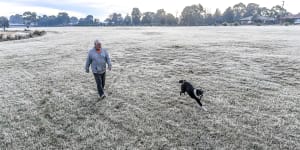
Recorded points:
88,63
108,61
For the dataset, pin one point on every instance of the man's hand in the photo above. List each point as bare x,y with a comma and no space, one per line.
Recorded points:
109,68
87,71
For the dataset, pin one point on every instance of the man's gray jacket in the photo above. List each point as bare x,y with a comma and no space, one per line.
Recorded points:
97,61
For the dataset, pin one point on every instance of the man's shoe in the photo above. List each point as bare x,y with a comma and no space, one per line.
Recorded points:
102,96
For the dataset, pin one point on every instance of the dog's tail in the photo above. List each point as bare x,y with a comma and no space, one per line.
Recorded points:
181,81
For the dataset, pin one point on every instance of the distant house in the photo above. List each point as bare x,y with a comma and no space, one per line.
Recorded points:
264,20
292,19
257,19
17,25
247,20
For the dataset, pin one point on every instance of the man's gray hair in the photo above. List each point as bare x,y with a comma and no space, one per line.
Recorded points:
97,42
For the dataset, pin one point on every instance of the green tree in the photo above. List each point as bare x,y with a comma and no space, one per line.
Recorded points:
277,12
170,20
192,15
148,18
228,15
89,20
73,20
218,17
29,18
265,12
127,20
51,20
252,9
115,19
239,11
4,23
17,19
209,19
43,20
63,18
160,17
136,16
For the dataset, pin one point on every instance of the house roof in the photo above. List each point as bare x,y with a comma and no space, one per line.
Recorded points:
250,18
265,18
247,18
292,16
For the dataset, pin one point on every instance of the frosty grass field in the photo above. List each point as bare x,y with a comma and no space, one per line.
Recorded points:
251,76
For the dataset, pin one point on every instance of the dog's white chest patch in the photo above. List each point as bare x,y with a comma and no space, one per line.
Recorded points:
195,93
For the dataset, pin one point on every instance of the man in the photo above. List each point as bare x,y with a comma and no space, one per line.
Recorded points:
98,57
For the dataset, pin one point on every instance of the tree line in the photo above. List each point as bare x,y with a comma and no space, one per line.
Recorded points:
194,15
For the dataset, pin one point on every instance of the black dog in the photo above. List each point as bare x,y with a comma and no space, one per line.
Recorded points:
193,92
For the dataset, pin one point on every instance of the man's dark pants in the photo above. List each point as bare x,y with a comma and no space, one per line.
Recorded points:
100,80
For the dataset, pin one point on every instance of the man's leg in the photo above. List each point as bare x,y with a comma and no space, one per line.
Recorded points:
99,83
103,80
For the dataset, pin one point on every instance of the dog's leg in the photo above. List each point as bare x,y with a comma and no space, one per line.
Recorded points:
182,92
198,101
200,97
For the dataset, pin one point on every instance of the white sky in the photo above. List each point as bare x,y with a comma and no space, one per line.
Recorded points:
102,8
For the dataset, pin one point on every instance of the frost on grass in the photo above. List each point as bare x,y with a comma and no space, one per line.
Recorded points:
250,74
